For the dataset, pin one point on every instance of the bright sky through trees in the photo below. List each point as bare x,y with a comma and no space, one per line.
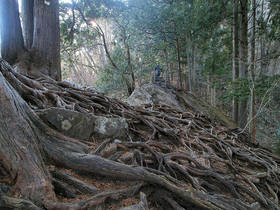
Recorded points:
66,1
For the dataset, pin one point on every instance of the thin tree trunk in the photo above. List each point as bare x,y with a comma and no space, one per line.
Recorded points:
242,115
12,43
252,127
106,48
91,63
235,69
82,70
213,96
102,55
132,83
179,61
193,76
189,64
262,45
77,76
208,96
179,81
166,66
140,80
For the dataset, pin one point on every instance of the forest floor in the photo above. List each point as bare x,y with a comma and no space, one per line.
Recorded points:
267,121
268,129
171,159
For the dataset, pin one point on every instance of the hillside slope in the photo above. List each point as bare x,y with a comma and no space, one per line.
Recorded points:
171,157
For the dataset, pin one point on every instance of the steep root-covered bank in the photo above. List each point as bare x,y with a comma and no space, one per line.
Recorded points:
175,158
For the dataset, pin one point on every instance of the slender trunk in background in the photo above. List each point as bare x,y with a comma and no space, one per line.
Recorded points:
74,70
12,43
102,54
262,44
91,63
235,66
189,64
243,71
252,118
193,76
213,96
101,33
179,81
132,83
208,96
166,66
179,62
82,70
171,71
140,80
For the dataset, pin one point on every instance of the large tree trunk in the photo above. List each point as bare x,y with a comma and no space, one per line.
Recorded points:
12,43
20,149
40,36
27,7
46,34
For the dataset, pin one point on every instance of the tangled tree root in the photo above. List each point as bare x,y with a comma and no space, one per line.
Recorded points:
179,159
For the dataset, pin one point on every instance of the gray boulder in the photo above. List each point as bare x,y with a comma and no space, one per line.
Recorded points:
110,128
71,123
154,95
84,126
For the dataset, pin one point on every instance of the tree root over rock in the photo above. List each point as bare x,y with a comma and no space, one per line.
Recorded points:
182,159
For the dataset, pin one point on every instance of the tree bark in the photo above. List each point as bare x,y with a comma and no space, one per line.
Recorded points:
243,72
132,83
12,43
235,67
213,96
27,7
178,55
193,76
252,118
263,44
20,150
47,34
167,79
189,64
208,87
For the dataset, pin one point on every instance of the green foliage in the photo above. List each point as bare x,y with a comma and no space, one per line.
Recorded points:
111,79
238,90
241,88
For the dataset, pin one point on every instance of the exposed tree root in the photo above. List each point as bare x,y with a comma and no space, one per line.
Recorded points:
186,159
7,202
